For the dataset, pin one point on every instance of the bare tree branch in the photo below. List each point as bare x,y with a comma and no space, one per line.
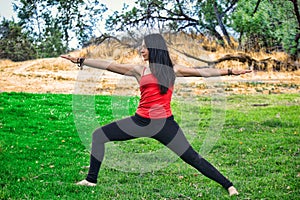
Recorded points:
256,7
261,65
187,25
104,37
233,3
181,14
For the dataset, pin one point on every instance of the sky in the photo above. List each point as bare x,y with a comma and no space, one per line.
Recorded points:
6,9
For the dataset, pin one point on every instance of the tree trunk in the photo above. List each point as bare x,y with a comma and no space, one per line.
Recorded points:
224,31
297,36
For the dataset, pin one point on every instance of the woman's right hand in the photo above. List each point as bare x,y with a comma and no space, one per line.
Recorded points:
70,58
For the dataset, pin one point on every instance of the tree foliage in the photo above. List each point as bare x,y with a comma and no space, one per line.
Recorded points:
14,44
189,15
54,23
257,23
267,24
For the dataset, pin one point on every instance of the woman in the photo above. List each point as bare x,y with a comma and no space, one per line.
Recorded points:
153,117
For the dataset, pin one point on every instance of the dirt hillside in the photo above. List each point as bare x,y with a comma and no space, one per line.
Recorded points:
56,75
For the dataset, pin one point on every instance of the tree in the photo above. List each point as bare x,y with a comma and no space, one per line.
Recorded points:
267,24
14,44
204,17
51,44
296,47
259,24
59,19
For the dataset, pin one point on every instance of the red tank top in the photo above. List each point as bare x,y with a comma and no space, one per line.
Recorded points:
153,104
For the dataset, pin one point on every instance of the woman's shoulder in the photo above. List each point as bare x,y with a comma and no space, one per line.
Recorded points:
139,70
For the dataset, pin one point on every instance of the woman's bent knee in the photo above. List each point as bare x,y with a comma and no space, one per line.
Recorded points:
99,136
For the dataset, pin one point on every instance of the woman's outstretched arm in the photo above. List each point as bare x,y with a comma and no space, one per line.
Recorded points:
183,71
124,69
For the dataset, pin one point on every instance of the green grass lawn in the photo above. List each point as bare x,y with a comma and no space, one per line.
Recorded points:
42,155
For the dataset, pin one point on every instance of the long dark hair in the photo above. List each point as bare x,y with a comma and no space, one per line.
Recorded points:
160,62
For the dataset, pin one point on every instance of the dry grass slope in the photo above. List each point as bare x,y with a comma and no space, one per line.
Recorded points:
55,75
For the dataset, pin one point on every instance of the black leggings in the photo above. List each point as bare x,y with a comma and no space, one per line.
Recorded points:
166,131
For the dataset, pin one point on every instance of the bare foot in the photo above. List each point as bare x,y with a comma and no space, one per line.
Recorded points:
232,191
86,183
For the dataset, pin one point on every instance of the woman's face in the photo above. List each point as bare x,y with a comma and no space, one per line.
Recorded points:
144,52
